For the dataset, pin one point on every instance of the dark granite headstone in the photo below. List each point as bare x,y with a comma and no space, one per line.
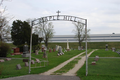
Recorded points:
25,60
93,63
25,51
106,47
50,50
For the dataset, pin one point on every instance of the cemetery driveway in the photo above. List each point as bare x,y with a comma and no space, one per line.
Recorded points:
72,72
43,77
51,71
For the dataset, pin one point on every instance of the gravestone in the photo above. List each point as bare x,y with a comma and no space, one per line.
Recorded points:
25,51
53,49
8,59
50,50
18,66
65,51
78,47
2,60
67,45
96,58
106,47
36,52
43,47
57,47
32,62
113,49
58,54
26,64
25,60
37,60
81,48
16,51
45,54
60,51
93,63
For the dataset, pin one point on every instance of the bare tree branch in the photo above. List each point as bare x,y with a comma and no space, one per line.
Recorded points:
80,32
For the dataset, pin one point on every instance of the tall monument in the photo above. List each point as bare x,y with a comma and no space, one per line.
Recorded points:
67,45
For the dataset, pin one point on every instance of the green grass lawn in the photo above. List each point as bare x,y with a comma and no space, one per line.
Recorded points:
9,67
67,67
105,69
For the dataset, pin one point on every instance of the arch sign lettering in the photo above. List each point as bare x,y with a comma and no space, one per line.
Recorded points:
59,18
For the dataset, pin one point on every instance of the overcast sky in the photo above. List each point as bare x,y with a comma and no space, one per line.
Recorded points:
103,15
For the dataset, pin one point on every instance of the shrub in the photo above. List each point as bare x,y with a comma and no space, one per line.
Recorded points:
4,49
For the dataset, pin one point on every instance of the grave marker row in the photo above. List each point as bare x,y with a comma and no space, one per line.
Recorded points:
7,59
96,59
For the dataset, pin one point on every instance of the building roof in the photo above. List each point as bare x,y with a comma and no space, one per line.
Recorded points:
92,38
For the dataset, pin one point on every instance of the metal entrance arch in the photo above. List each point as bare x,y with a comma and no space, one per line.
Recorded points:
59,18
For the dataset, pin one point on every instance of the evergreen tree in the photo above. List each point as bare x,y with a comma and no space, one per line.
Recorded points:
20,33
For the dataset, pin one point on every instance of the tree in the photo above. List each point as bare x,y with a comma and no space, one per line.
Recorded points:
48,31
80,32
4,28
20,33
45,30
4,21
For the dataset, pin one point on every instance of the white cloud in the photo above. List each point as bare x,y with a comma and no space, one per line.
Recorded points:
101,14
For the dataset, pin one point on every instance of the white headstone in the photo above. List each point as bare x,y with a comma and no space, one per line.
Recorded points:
67,45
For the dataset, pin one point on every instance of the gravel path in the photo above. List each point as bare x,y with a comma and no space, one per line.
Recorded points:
61,65
78,65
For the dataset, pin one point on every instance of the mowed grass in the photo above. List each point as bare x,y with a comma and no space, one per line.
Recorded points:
67,67
105,68
9,67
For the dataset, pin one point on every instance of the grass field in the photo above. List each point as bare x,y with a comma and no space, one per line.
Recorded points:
105,69
9,67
